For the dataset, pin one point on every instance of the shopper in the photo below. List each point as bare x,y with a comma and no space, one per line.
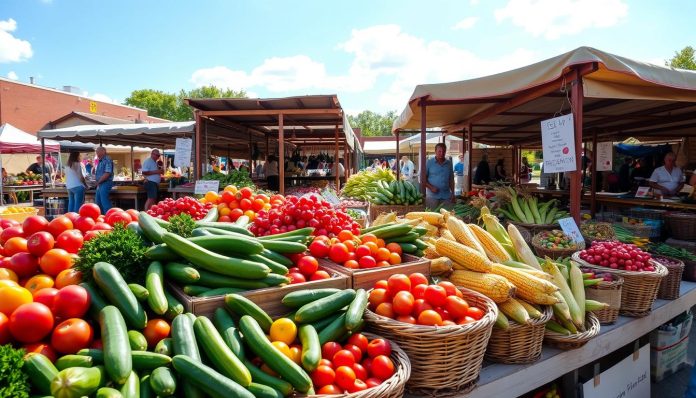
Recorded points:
105,180
75,182
668,179
270,170
500,173
459,175
153,176
525,171
483,172
407,168
439,176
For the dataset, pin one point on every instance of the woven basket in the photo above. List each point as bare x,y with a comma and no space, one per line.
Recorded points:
610,293
639,290
641,230
669,286
394,386
535,228
553,253
642,212
444,360
606,229
681,226
526,235
519,343
573,341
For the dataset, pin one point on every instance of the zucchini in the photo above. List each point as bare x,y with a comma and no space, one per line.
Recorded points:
392,231
272,357
221,291
311,348
420,244
409,248
164,347
154,279
96,299
260,377
77,382
108,392
275,280
213,279
277,257
183,338
131,388
284,247
299,298
326,321
146,360
137,341
181,273
161,252
241,305
407,238
219,354
225,226
117,351
163,382
334,330
145,389
71,361
225,324
152,230
195,290
211,215
139,291
298,232
229,244
40,370
201,232
208,380
264,391
174,306
276,267
96,354
119,294
323,307
214,262
356,309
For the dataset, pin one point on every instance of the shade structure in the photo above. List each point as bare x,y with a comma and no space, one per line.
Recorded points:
14,140
431,140
152,134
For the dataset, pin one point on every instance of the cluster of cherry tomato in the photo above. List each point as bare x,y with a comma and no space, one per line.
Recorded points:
306,269
303,212
170,207
366,251
618,255
356,366
233,203
411,299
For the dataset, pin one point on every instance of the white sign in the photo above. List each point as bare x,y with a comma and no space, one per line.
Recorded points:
570,228
330,196
642,192
629,378
558,143
203,186
182,152
605,156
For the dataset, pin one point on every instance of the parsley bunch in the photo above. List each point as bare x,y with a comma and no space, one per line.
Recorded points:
13,381
122,247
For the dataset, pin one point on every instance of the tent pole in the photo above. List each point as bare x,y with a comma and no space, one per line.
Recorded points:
470,149
338,178
251,149
398,168
43,162
197,147
281,154
593,170
133,165
421,163
575,180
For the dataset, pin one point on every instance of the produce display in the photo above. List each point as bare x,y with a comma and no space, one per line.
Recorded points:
239,178
556,239
26,178
592,277
17,210
360,183
351,203
671,251
466,211
626,236
529,210
188,205
618,255
234,203
597,231
366,251
380,187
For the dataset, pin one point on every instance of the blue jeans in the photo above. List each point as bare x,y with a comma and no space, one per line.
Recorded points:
76,197
102,196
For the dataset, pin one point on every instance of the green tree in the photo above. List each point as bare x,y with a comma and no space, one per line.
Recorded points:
373,124
172,106
684,59
184,112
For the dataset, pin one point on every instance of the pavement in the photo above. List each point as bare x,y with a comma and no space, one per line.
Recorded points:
675,385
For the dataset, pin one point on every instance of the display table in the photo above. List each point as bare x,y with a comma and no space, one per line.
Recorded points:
118,193
628,202
181,191
11,191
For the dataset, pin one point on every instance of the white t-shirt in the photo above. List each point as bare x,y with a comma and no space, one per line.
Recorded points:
668,180
150,165
72,178
341,169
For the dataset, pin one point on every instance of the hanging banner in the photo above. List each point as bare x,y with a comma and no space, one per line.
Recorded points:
605,154
558,144
182,152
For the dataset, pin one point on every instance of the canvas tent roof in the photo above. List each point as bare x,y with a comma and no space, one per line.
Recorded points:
379,147
14,140
152,134
622,97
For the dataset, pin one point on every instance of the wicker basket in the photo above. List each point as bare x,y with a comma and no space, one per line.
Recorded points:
444,360
534,228
606,229
681,226
639,290
669,286
519,343
610,293
642,212
553,253
394,386
526,235
573,341
639,230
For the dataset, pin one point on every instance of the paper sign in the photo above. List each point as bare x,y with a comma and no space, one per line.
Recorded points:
571,229
330,196
204,186
629,378
558,144
642,192
605,156
182,152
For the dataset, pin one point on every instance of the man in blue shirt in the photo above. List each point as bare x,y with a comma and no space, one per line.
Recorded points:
439,181
153,177
459,175
105,180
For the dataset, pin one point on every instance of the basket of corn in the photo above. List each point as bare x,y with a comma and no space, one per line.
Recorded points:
555,244
561,338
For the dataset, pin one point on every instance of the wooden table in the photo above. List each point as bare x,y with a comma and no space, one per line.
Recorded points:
643,202
11,191
135,193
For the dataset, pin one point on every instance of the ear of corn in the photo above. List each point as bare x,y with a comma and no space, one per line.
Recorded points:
564,289
520,278
564,321
515,311
432,230
524,267
495,287
494,250
501,322
494,228
561,306
446,234
463,234
577,287
430,217
410,222
430,253
555,327
531,310
463,255
524,253
440,266
592,305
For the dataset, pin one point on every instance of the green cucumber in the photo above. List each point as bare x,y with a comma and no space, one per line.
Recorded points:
311,349
145,389
406,238
284,247
277,257
208,380
299,298
228,330
276,280
264,391
272,357
131,388
164,347
298,232
326,321
219,354
226,226
183,338
146,360
117,351
162,223
181,273
41,372
108,392
420,230
137,341
154,280
276,267
119,294
139,291
324,306
96,354
174,306
72,360
211,215
195,290
229,244
151,229
213,279
241,305
334,330
260,377
221,291
96,299
77,382
163,382
420,244
392,231
201,232
356,309
409,248
161,252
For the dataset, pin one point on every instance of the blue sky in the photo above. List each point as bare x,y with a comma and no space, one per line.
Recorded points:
370,53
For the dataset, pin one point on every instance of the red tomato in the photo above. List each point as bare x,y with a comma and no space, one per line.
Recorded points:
373,382
34,224
118,217
72,335
402,303
418,279
435,295
41,348
418,291
343,358
84,224
359,340
322,376
355,350
329,349
71,241
308,265
91,234
7,223
5,335
58,225
23,264
101,226
360,371
14,245
40,242
245,204
319,275
246,192
475,313
134,215
382,367
326,362
46,296
443,314
362,251
358,385
398,282
11,232
111,210
345,377
31,322
71,301
406,319
450,289
90,210
72,216
456,306
378,347
386,310
378,296
429,318
54,261
338,253
156,330
319,248
296,277
367,262
381,284
330,389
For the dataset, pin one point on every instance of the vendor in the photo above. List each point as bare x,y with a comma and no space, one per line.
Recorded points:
668,179
483,172
270,170
46,170
439,175
105,180
152,170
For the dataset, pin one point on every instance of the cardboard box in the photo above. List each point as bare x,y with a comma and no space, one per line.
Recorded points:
668,349
660,339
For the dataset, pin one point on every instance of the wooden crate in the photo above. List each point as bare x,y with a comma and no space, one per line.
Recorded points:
400,210
268,298
366,278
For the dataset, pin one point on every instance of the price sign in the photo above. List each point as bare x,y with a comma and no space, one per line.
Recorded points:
604,156
330,196
571,229
182,152
642,192
558,144
204,186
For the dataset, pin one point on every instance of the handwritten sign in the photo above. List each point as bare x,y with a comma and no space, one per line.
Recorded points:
629,378
204,186
182,152
571,229
330,196
605,156
642,192
558,144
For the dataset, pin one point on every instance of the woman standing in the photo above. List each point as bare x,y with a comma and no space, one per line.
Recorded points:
270,170
500,173
75,182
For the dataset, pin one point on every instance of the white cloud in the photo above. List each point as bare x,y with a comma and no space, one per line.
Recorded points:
12,49
555,18
12,75
102,97
466,23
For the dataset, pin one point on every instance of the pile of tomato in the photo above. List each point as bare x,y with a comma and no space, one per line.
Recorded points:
618,255
411,299
306,269
170,207
351,251
308,211
233,203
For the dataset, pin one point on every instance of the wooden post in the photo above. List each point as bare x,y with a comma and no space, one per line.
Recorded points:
470,149
398,169
593,170
281,154
514,163
133,164
227,166
197,148
422,162
251,149
335,165
576,98
346,151
43,165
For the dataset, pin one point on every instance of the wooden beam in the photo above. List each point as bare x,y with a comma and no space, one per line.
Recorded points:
465,101
589,108
338,177
470,149
197,147
651,111
398,169
421,163
281,155
576,97
274,112
593,170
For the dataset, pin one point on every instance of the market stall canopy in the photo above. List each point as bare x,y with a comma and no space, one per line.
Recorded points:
622,97
152,134
431,139
379,147
14,140
639,151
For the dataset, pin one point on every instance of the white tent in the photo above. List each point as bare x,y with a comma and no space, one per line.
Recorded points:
152,134
412,143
